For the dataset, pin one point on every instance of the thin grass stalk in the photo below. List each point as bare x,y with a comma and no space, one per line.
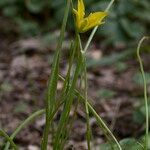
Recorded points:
66,86
4,134
88,134
52,86
145,91
68,102
74,114
71,124
67,79
95,29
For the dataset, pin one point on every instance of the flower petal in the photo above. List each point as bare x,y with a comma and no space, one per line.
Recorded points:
81,9
84,24
94,19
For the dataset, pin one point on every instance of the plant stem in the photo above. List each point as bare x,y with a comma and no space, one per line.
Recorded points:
68,102
95,29
4,134
90,38
52,86
109,5
88,134
145,91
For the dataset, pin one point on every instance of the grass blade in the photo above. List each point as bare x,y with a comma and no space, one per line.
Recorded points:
88,136
67,106
52,86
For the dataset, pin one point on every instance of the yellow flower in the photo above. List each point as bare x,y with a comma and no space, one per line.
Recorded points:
86,23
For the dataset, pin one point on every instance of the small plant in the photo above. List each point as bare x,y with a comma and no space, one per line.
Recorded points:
72,91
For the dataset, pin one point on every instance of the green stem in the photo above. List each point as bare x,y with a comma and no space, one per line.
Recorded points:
80,44
90,39
52,86
71,124
66,88
95,29
109,5
68,103
145,91
86,102
4,134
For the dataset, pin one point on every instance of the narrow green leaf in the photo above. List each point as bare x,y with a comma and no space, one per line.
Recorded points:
67,106
52,86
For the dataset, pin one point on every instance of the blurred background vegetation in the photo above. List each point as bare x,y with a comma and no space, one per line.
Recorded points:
128,20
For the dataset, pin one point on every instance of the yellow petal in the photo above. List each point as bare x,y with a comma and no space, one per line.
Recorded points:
81,9
84,24
94,19
77,18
